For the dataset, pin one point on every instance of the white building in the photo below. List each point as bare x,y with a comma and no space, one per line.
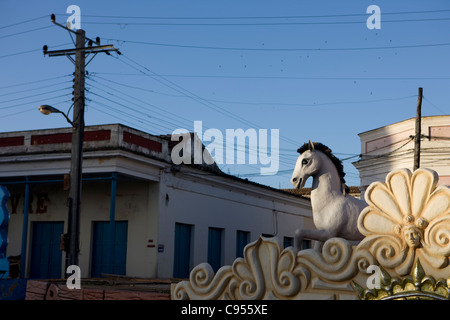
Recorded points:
392,147
166,218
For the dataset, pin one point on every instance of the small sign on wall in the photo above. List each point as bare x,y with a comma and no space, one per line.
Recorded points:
160,248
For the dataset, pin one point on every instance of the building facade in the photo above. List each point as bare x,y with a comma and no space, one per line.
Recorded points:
163,218
392,147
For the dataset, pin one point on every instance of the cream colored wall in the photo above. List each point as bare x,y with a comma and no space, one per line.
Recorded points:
229,205
55,211
133,205
136,202
195,201
393,141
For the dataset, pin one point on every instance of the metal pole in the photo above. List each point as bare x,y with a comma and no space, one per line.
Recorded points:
26,209
77,150
112,222
418,132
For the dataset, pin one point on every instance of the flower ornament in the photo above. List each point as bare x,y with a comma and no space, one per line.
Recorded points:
407,216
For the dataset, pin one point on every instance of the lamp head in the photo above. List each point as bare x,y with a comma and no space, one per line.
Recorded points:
46,109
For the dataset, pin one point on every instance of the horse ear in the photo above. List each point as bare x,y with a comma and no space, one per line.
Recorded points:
311,146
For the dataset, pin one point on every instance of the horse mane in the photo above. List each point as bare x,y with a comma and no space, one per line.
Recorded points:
328,152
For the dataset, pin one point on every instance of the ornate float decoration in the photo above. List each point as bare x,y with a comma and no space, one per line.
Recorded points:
414,286
407,218
406,229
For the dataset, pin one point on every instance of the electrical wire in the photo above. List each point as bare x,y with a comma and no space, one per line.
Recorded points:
143,121
238,148
264,17
253,24
162,111
346,78
28,51
195,98
139,112
21,91
390,153
274,104
22,22
435,106
23,32
445,44
34,82
191,95
34,106
32,96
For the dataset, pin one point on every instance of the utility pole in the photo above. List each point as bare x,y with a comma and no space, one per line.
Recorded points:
418,133
77,149
80,51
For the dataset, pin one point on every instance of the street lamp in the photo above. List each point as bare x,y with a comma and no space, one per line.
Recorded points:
75,177
46,109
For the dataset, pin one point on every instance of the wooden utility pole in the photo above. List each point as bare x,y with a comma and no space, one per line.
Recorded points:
418,133
77,149
80,51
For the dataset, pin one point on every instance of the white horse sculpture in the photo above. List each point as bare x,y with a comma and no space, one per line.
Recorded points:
335,214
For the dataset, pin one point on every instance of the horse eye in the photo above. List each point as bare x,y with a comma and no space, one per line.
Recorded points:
305,161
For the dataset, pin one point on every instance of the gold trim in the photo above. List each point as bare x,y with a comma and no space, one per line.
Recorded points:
416,286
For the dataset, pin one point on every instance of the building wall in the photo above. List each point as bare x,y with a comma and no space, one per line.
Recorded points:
192,200
151,195
135,203
47,203
392,147
153,208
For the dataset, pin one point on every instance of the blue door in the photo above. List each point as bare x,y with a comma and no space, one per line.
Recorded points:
46,255
215,248
100,249
182,255
242,239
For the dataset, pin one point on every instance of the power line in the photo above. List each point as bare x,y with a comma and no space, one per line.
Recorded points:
283,159
28,90
218,24
34,103
281,49
32,96
347,78
263,17
28,51
390,153
19,53
145,118
139,112
435,106
34,81
26,31
193,96
314,104
144,121
287,161
22,22
165,111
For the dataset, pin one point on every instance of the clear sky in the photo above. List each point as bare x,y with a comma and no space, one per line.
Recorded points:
311,69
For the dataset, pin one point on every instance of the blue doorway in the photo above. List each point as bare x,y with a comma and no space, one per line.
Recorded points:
100,249
242,239
46,255
215,248
182,256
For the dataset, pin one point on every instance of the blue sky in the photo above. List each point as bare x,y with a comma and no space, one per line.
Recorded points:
311,69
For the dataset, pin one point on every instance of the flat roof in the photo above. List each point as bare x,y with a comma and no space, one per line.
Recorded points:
405,121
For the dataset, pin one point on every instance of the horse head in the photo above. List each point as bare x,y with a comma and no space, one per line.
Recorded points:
307,165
